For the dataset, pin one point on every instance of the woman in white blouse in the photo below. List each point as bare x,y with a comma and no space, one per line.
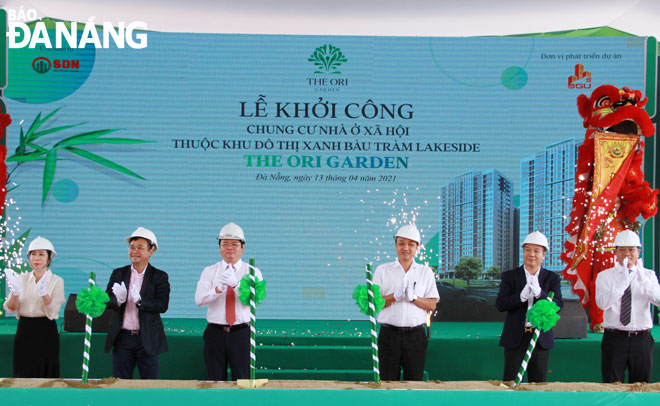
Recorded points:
36,298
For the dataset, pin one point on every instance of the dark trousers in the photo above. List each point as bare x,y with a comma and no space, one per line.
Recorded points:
401,348
128,352
222,348
618,352
537,367
36,348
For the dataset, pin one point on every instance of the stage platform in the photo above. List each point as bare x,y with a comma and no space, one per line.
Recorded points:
111,392
333,350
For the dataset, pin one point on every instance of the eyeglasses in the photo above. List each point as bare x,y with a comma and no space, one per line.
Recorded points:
224,244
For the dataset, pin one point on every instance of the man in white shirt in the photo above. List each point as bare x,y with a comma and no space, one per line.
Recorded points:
409,291
227,335
625,293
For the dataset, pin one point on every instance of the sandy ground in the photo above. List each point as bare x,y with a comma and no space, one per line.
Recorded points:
429,385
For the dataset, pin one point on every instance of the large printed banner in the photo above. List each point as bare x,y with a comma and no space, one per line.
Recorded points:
319,147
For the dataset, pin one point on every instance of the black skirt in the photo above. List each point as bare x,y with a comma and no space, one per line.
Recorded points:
36,348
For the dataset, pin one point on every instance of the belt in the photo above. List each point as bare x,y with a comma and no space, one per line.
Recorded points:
131,332
402,329
227,328
529,329
628,333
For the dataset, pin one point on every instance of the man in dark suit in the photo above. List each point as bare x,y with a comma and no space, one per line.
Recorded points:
519,290
139,293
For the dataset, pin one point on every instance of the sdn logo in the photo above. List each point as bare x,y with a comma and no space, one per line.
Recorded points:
576,81
41,65
327,59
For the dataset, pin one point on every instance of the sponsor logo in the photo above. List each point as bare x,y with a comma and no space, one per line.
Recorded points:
581,79
42,65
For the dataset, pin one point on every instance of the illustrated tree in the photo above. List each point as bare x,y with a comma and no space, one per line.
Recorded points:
29,150
493,272
42,143
468,268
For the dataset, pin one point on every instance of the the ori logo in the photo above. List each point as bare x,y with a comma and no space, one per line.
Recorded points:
327,59
41,65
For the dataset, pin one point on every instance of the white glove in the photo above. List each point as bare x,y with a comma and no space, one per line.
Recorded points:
639,272
400,292
135,294
42,286
229,279
218,286
642,282
534,286
625,263
625,273
639,267
120,292
411,291
645,281
620,267
525,293
14,282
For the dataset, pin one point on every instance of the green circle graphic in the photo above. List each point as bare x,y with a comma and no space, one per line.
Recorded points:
65,191
514,78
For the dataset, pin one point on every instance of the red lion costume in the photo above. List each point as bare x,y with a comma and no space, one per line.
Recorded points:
610,191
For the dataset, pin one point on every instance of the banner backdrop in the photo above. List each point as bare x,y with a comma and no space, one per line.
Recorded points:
319,147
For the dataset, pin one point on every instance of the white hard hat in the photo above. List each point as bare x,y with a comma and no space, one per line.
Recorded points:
537,238
627,238
41,243
231,231
142,232
410,232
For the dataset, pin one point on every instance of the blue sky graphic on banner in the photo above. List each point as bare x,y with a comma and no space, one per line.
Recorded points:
319,147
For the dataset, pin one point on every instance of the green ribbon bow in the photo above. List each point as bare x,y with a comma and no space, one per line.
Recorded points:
92,301
543,315
361,296
244,291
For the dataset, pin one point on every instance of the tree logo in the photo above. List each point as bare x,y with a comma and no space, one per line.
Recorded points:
327,59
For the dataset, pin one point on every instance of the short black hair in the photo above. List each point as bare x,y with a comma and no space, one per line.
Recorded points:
396,237
545,250
242,242
151,243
